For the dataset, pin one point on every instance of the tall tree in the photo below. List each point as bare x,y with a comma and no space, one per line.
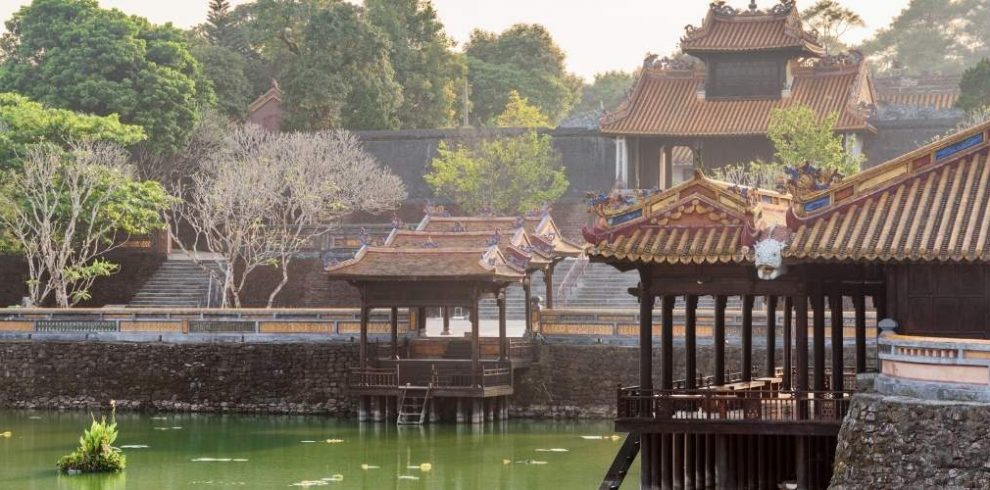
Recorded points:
974,87
430,74
519,113
226,69
522,58
927,36
220,29
340,75
799,136
832,21
75,55
605,92
27,123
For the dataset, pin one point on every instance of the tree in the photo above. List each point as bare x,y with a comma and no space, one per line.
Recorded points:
65,210
519,113
430,74
974,87
74,55
832,21
220,28
799,136
927,36
26,123
340,75
226,69
606,92
504,175
522,58
257,201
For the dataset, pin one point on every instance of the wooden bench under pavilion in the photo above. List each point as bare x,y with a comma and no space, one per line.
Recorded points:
908,237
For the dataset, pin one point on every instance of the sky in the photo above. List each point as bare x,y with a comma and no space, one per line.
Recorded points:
597,35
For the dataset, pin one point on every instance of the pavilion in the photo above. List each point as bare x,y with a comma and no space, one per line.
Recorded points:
907,238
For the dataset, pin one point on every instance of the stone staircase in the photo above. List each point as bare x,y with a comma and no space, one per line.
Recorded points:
178,283
602,286
515,307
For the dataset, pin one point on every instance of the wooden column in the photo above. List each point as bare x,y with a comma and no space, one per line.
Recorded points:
788,343
363,348
747,337
475,338
771,336
667,173
667,343
679,462
394,319
859,303
801,342
646,300
548,282
421,320
503,348
801,455
719,340
690,341
446,321
835,304
818,329
528,295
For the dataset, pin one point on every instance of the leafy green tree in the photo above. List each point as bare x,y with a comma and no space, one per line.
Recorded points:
221,28
832,21
340,75
26,123
519,113
504,175
430,74
927,36
226,70
64,210
522,58
974,87
75,55
606,92
800,136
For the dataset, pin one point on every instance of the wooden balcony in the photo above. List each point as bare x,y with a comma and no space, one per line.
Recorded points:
750,407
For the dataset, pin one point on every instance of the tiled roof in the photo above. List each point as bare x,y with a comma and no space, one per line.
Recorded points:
273,93
936,92
725,29
515,243
935,100
409,264
932,204
665,102
698,221
540,228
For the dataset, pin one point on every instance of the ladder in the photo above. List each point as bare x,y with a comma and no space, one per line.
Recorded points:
620,465
413,404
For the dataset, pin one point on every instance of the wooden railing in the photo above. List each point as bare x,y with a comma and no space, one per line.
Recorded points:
432,375
373,378
763,405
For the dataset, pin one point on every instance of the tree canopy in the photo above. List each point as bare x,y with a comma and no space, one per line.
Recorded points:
974,87
430,74
75,55
523,58
606,92
832,21
799,137
27,123
519,113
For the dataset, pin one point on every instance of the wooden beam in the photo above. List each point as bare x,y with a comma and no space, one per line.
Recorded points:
548,283
645,335
859,303
503,348
719,340
747,337
667,343
528,296
771,336
788,342
690,341
835,303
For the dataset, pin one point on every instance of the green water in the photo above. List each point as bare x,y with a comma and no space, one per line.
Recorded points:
244,451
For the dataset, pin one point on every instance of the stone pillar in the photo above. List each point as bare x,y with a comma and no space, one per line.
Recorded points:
461,411
668,167
376,409
503,347
548,283
477,410
490,409
363,409
528,296
389,407
446,321
434,413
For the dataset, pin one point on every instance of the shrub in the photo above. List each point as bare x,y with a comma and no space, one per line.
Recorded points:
96,453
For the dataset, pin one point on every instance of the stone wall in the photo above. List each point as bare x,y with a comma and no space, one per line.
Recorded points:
899,442
262,377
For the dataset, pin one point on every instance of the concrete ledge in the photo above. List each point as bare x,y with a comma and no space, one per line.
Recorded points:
927,390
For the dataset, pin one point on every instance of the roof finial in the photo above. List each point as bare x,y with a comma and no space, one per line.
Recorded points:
752,6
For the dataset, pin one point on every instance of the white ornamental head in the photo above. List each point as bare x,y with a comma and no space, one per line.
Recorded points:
769,263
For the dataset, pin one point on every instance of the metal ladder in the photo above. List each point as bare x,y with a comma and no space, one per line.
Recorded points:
620,465
413,405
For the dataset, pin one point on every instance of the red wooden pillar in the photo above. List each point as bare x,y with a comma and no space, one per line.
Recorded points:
771,336
747,337
835,303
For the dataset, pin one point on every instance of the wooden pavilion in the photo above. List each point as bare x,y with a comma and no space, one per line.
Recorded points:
446,263
751,62
908,238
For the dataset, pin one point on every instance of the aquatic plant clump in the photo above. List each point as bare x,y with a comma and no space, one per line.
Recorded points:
96,452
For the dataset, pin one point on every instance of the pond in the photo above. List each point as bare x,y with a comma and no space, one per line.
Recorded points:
248,451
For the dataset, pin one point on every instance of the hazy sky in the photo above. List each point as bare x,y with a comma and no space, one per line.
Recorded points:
597,35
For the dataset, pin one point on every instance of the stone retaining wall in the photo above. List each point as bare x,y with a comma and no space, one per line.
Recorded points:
901,442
